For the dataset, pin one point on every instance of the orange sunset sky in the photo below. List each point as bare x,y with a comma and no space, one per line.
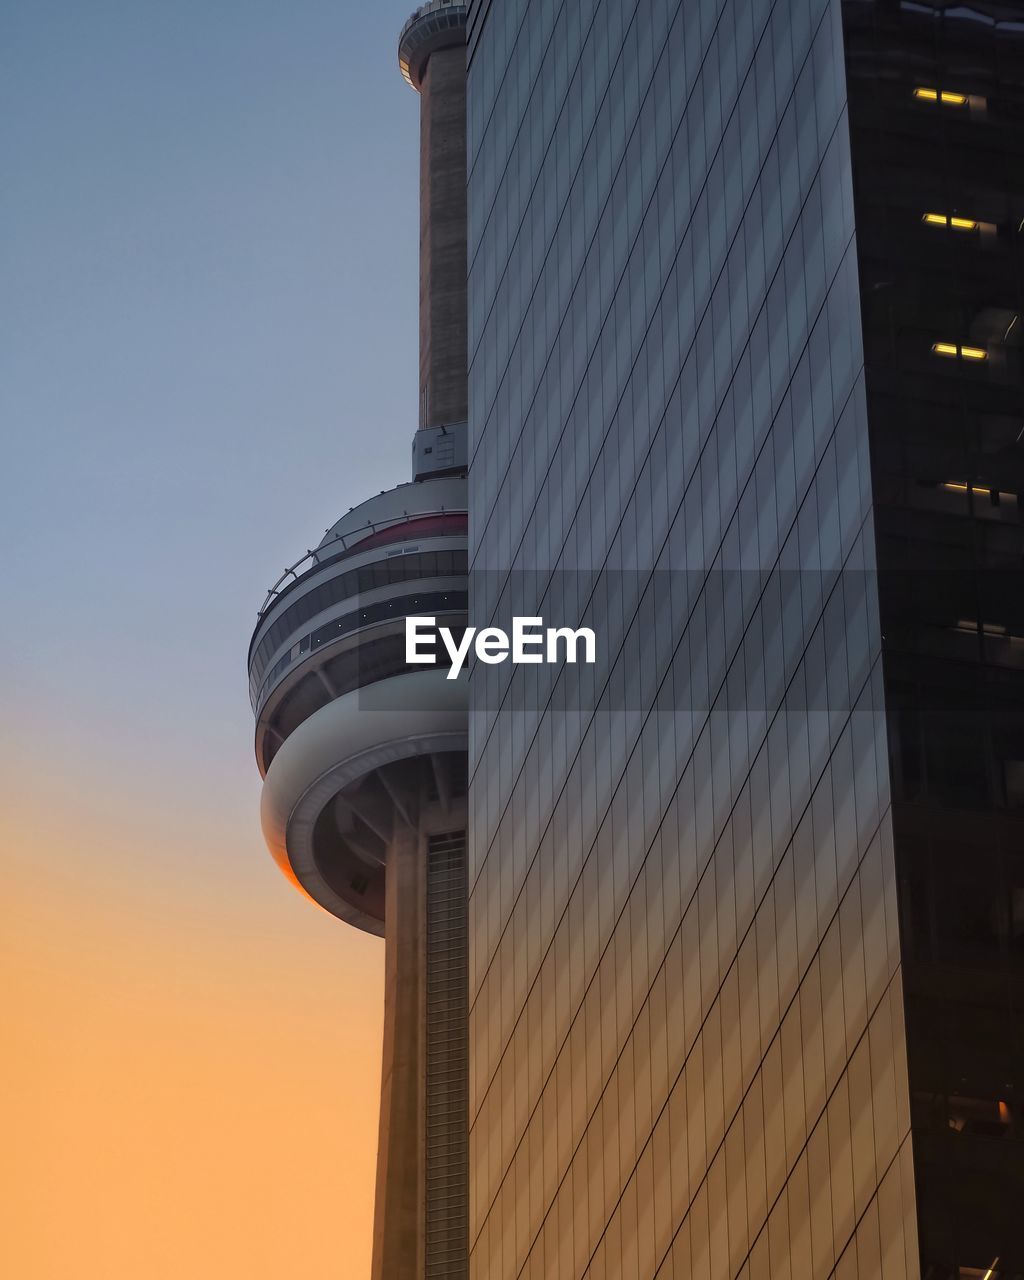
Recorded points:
188,1094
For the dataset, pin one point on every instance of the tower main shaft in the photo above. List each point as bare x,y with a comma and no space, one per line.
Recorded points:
443,335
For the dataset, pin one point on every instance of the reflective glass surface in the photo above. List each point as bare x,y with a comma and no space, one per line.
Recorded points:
687,1018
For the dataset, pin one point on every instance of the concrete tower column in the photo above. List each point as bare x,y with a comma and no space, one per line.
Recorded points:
397,1231
443,335
420,1222
432,56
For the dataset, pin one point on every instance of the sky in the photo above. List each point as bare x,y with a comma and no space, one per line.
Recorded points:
208,249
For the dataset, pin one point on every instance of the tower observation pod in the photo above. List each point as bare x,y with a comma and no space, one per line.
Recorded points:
364,757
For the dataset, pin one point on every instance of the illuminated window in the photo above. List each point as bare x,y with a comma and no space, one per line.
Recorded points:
951,350
973,626
945,220
946,96
981,1116
980,490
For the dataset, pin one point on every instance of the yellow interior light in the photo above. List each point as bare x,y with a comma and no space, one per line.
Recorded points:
955,486
946,96
942,220
952,350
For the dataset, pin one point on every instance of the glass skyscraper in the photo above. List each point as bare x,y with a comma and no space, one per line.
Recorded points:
746,900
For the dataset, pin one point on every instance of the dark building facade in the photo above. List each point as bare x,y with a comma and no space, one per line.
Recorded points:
936,95
746,910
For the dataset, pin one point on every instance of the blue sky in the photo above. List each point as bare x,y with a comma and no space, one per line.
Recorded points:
208,247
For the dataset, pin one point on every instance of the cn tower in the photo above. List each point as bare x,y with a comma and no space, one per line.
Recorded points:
364,760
